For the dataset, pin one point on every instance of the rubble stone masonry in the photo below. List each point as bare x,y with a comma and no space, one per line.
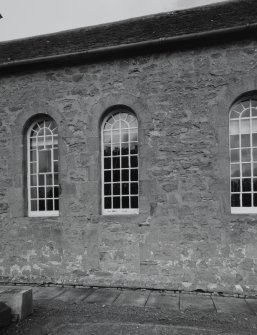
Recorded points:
184,236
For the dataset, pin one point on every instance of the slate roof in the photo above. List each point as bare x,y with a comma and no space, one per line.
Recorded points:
223,15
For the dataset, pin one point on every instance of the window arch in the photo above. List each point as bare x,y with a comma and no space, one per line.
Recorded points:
120,185
42,168
243,155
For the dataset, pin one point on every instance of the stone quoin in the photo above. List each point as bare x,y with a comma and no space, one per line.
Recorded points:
66,217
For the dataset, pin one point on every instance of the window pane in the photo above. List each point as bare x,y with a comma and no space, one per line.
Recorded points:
125,202
33,142
107,189
107,137
107,150
254,140
134,174
108,203
133,136
116,150
255,169
134,202
133,148
245,140
246,170
55,166
56,205
116,189
56,179
49,179
41,179
234,127
116,137
33,180
246,185
45,161
49,204
245,126
41,205
254,125
247,200
234,154
33,192
116,202
56,192
255,154
49,192
33,168
56,154
234,141
116,162
246,155
125,188
116,175
124,162
255,184
246,113
254,111
133,161
124,149
33,155
125,175
40,142
34,205
235,170
134,188
107,176
235,200
41,192
235,185
107,163
124,135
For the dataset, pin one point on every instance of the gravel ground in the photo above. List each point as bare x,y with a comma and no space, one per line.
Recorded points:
56,317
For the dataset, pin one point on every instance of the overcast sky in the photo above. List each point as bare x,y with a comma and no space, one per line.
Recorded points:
23,18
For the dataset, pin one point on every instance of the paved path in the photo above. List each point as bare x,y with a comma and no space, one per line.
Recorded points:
146,298
110,311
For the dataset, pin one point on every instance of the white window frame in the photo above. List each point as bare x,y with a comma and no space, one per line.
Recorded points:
41,213
119,211
243,209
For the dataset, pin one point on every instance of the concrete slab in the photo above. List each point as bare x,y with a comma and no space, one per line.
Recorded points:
163,300
75,294
231,305
5,315
47,293
103,296
19,299
136,298
193,302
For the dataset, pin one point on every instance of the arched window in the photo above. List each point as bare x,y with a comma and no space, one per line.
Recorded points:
120,163
243,156
42,167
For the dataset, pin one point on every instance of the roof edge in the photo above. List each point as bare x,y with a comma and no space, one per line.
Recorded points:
155,43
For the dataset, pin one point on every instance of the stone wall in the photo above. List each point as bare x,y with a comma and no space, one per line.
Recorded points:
184,237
